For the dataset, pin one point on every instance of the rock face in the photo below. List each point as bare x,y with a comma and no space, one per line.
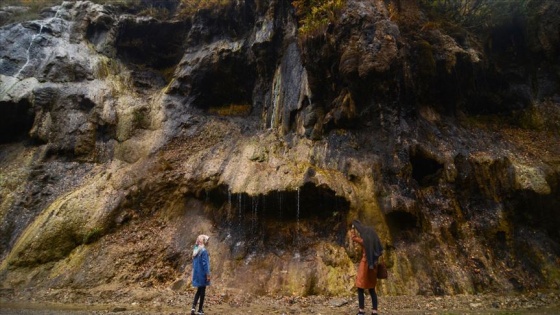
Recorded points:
124,135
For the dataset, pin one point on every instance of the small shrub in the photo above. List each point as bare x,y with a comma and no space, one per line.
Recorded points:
315,15
475,14
158,13
36,4
33,8
190,7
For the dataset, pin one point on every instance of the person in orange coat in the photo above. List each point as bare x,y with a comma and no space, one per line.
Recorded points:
367,270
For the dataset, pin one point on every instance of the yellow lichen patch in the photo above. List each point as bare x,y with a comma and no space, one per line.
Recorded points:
116,75
189,7
63,226
231,110
73,262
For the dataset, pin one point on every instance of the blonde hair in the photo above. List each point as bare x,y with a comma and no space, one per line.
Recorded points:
202,239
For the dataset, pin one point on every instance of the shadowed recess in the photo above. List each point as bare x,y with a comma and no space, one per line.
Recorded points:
17,120
151,43
425,170
280,219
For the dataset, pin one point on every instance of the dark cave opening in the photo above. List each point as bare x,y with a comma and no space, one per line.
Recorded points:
425,170
280,218
309,202
17,120
537,211
508,40
225,88
106,132
151,43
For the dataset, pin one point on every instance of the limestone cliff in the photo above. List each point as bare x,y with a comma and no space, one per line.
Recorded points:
126,130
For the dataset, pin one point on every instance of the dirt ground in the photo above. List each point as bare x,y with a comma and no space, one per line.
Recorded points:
174,303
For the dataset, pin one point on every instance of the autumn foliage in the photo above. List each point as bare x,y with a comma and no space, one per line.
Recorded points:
315,15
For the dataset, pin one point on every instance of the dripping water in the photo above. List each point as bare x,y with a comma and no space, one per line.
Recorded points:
240,208
33,38
229,207
254,215
297,213
296,238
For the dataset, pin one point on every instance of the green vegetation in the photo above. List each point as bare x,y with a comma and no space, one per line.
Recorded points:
315,15
189,7
475,14
31,9
155,12
33,4
41,4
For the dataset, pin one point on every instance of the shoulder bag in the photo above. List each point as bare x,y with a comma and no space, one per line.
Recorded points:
381,270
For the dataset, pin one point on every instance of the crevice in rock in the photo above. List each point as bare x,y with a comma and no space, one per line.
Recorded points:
16,121
537,211
279,220
425,169
105,133
403,225
151,43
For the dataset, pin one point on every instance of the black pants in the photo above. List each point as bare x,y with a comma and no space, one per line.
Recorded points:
200,294
361,298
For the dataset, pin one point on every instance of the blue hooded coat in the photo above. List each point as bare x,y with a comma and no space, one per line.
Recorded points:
201,268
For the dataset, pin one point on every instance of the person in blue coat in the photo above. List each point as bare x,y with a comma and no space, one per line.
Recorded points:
200,272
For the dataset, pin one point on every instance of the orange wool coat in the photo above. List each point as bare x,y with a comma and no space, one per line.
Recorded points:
366,278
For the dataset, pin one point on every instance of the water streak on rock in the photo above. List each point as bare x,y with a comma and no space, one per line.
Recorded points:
34,37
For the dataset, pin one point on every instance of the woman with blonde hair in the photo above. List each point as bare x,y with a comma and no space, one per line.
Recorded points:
200,272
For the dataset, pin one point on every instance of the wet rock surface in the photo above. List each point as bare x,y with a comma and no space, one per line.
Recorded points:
117,149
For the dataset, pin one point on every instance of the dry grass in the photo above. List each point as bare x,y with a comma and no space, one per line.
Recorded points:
31,9
190,7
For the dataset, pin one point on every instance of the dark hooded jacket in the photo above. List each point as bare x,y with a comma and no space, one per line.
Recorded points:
372,244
